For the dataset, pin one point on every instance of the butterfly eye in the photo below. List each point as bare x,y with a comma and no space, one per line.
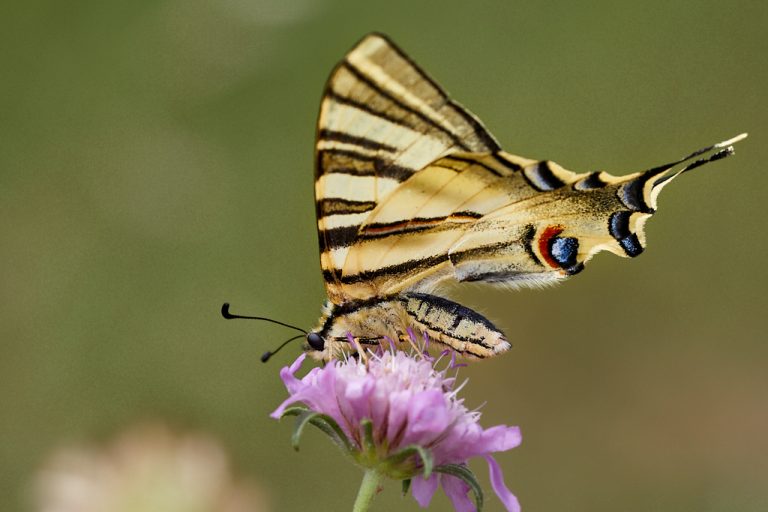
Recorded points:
564,251
315,341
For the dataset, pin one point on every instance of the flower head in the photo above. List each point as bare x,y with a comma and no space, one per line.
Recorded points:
401,416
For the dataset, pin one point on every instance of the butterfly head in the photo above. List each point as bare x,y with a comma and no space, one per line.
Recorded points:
320,340
329,338
315,341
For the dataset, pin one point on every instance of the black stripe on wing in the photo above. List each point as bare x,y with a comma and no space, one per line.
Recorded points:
336,238
337,206
414,224
394,270
541,177
618,227
332,95
473,161
346,161
478,129
455,138
591,182
363,142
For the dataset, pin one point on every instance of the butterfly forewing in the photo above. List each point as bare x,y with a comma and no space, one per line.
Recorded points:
381,120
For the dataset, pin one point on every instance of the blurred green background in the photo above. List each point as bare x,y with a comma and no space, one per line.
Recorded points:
156,160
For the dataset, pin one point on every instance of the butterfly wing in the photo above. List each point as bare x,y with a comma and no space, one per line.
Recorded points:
404,243
552,233
500,218
412,190
381,120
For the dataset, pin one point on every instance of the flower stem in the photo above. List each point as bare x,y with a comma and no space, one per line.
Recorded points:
367,491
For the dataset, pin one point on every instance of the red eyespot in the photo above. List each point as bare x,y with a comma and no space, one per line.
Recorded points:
549,233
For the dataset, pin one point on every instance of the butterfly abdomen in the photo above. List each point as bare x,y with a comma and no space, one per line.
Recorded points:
395,319
454,325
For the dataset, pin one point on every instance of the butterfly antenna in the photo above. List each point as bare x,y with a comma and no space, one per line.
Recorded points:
269,353
229,316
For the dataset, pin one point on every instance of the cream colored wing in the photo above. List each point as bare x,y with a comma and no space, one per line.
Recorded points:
502,219
404,242
381,119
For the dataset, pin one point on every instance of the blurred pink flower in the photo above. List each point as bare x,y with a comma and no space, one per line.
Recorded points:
407,402
146,468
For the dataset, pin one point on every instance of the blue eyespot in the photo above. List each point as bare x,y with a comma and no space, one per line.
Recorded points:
564,251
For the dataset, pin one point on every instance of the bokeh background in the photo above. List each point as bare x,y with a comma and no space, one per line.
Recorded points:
156,160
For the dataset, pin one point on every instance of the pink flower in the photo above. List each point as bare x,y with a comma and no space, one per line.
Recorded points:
401,416
147,467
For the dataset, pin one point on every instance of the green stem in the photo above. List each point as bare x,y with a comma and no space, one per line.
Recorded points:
368,488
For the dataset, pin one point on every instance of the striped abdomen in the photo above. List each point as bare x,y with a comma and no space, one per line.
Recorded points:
376,321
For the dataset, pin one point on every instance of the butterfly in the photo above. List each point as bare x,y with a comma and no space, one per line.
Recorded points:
413,192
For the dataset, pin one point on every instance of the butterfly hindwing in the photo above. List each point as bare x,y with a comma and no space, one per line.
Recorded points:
550,234
499,218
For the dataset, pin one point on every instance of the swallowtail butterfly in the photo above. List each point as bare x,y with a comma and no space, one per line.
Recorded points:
412,191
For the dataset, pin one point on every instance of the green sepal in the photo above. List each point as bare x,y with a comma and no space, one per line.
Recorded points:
302,419
369,446
406,486
322,421
465,474
293,411
424,454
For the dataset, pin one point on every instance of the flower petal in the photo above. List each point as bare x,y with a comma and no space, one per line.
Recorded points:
278,413
499,487
458,492
317,390
501,438
423,489
287,374
428,417
357,398
297,363
475,441
398,405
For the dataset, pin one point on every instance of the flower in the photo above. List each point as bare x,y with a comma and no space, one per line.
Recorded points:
400,416
146,468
